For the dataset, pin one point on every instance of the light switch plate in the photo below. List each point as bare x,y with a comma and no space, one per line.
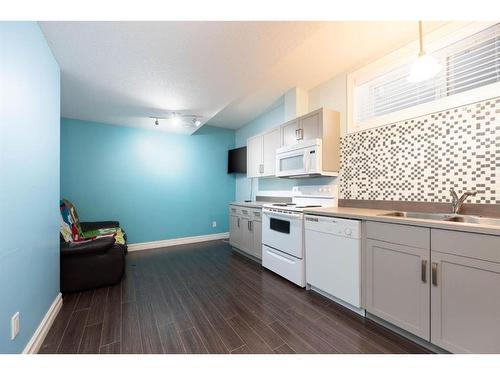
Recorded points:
214,224
14,326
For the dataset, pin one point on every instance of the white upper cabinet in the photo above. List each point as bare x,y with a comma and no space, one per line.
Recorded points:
321,123
312,125
261,154
255,156
289,132
271,142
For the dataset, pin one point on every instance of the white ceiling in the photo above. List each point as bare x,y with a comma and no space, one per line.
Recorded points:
227,72
123,72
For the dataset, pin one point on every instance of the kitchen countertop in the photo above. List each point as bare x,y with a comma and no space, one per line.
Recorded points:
374,215
253,204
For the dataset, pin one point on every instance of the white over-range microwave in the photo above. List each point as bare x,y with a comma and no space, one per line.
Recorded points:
303,159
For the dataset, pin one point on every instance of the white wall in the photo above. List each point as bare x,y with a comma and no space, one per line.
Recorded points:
331,94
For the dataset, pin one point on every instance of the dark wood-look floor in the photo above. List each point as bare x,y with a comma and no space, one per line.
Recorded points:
205,298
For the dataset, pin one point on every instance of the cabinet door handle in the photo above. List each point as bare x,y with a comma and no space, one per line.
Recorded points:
238,222
250,226
423,270
434,273
261,168
299,134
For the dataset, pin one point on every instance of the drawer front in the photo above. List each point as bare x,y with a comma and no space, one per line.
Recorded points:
245,211
234,210
257,215
284,265
471,245
400,234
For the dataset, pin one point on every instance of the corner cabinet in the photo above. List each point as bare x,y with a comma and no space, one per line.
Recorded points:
261,154
245,230
396,275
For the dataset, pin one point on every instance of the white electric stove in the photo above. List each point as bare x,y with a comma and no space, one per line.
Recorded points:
283,230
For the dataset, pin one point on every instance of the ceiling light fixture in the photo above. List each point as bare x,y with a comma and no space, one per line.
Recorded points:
178,119
425,66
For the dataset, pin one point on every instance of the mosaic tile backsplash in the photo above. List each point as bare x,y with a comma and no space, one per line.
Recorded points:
420,159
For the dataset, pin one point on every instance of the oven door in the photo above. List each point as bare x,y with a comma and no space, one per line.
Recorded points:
284,232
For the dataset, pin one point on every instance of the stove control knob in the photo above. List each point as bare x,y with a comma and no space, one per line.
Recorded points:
348,231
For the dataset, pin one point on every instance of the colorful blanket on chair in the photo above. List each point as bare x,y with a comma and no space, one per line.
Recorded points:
72,232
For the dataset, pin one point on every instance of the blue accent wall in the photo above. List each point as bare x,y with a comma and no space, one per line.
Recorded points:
158,185
29,180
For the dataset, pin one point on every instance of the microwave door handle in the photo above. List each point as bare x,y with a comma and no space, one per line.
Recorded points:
306,162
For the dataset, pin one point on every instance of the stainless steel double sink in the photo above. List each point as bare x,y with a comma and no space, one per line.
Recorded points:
444,217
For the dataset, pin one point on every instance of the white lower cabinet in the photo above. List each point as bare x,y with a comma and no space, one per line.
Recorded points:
234,230
257,238
246,243
245,230
396,277
465,292
448,293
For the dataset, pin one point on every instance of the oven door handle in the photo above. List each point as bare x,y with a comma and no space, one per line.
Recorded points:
282,216
280,257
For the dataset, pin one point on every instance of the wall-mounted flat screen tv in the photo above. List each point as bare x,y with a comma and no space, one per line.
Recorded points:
237,160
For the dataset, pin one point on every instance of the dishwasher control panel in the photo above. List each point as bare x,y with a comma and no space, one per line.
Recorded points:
333,225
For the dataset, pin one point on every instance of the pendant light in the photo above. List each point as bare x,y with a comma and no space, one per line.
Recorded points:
425,66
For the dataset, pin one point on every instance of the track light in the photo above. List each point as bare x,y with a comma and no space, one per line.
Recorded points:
177,119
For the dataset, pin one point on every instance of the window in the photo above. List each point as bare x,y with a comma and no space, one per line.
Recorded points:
380,94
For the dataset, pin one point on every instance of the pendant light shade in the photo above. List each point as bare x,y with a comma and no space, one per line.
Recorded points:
426,66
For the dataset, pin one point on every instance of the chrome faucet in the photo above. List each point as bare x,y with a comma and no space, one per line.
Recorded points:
456,202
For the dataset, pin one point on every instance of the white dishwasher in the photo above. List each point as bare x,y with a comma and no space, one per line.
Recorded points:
333,259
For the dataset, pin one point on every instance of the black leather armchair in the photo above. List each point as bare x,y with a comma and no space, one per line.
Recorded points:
92,264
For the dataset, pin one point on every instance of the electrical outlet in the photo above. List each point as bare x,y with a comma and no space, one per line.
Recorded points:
14,326
214,224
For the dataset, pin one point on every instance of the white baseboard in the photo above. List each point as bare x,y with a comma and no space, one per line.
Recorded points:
176,241
41,332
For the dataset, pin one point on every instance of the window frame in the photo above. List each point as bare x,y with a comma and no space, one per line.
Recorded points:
441,37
